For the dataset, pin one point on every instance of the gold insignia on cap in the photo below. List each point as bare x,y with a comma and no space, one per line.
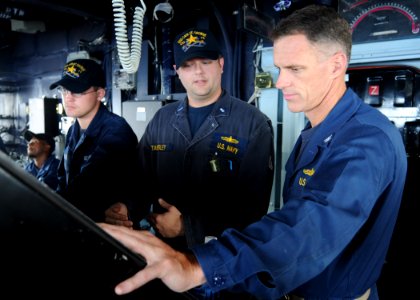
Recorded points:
192,39
74,69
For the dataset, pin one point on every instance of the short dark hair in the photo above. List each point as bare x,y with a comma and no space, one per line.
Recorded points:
319,24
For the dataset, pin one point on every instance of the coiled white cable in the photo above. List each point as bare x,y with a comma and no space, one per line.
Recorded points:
129,58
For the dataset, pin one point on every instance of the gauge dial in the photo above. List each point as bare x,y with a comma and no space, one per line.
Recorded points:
381,20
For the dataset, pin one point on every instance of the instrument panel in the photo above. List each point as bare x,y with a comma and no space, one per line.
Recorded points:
381,20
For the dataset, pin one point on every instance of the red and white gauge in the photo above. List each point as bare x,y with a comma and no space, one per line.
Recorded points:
381,20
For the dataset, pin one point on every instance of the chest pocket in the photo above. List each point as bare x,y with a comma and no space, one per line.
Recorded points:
226,152
223,165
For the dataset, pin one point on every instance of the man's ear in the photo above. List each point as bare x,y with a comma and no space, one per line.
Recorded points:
339,64
101,93
175,69
48,146
221,62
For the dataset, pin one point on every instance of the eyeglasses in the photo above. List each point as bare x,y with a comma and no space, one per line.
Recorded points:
65,92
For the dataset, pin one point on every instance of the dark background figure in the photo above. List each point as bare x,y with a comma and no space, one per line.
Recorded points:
43,164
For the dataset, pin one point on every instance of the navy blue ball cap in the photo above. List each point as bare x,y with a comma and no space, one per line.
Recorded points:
81,74
195,43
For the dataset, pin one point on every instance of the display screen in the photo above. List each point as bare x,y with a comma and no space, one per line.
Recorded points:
50,250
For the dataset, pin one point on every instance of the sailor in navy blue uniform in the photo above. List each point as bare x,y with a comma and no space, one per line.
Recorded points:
98,164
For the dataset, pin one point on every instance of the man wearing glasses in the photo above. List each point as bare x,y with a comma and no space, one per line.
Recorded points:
96,170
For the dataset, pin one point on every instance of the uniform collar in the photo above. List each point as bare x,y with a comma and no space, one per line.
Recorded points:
221,107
